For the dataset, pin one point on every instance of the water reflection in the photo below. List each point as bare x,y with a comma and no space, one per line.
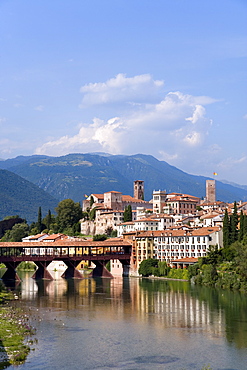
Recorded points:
162,303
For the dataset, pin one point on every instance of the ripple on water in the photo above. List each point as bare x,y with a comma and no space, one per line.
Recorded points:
142,362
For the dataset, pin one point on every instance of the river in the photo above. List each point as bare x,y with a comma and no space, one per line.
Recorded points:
132,323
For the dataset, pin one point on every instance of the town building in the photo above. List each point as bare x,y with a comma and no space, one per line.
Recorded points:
139,189
153,222
174,203
174,244
110,208
210,191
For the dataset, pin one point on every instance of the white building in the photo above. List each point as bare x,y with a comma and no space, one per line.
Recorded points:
146,224
174,244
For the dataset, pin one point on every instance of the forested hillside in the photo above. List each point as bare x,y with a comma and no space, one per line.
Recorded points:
20,197
74,175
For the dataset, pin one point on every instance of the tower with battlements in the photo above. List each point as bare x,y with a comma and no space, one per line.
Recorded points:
139,189
210,191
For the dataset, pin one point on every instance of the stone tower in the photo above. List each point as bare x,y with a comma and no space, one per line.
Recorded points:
139,189
210,191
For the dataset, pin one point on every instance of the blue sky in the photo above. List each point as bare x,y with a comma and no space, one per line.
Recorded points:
160,77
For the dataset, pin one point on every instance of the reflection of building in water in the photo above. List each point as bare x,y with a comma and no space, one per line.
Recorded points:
85,287
28,286
174,308
56,288
162,303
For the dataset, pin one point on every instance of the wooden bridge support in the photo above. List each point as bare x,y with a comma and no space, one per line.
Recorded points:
100,270
42,272
10,273
71,272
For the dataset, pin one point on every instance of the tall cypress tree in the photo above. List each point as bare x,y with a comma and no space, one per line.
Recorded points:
245,225
226,230
39,222
241,228
48,220
128,213
234,225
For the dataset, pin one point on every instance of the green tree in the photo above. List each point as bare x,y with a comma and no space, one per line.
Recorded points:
92,214
10,217
241,227
234,225
91,201
39,222
163,268
114,233
68,214
209,274
147,267
245,225
99,237
214,255
109,230
240,259
48,220
128,214
226,230
16,234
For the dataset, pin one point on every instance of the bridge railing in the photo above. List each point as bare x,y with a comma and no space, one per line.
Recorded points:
69,251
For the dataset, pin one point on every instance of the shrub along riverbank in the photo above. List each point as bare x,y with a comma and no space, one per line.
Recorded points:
222,268
15,332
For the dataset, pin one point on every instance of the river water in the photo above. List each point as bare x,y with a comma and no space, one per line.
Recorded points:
132,323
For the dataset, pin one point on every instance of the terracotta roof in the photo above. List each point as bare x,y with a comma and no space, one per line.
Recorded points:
113,191
186,259
55,236
129,198
172,232
148,220
183,195
182,199
36,236
69,243
208,216
99,196
217,203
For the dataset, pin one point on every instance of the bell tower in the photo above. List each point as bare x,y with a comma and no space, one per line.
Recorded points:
139,189
210,191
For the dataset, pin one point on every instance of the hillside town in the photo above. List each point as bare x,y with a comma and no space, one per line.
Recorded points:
172,227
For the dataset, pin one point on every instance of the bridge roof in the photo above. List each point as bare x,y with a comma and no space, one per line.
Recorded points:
67,243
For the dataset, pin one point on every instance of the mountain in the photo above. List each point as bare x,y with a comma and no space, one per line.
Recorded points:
74,175
21,197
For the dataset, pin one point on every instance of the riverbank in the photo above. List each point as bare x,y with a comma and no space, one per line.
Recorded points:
15,332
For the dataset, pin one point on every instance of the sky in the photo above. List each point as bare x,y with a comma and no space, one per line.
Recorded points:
163,77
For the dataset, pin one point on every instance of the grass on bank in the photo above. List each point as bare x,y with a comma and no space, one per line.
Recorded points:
15,332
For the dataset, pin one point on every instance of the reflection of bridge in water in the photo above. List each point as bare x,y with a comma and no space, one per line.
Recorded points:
70,252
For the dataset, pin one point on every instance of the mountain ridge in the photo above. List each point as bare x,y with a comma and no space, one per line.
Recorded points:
21,197
77,174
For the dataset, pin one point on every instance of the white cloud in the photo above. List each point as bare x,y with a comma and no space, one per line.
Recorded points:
177,121
172,127
198,113
193,139
121,89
